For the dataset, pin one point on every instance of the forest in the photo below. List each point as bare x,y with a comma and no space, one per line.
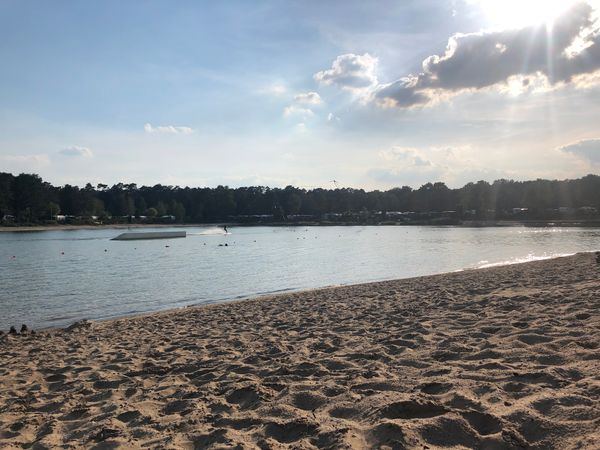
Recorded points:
28,199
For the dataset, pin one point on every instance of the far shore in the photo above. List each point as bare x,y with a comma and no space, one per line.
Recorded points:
119,226
465,223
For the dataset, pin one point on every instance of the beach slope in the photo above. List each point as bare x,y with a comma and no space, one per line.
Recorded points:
506,357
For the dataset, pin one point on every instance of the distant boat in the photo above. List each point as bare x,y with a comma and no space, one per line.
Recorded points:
149,235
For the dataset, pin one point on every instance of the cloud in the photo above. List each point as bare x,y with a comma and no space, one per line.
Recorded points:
26,161
276,89
299,107
300,127
587,149
167,129
408,155
294,110
76,151
308,98
403,176
405,165
455,165
333,118
475,61
351,72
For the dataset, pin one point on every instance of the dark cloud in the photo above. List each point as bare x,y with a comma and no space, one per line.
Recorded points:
479,60
588,149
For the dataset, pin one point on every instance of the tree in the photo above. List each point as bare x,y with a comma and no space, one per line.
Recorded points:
161,209
29,197
140,206
6,194
179,212
293,203
53,210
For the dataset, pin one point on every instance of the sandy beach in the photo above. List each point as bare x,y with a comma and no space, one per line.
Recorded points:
499,358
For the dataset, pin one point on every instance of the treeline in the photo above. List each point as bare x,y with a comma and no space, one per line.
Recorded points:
26,198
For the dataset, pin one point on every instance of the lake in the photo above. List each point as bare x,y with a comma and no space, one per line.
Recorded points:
54,278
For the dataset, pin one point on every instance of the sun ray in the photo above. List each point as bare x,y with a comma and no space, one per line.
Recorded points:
520,13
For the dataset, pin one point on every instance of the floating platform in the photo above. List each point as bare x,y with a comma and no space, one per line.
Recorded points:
149,235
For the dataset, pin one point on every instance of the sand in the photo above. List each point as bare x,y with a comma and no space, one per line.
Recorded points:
506,357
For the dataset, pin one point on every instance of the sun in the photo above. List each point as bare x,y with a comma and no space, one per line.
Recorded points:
521,13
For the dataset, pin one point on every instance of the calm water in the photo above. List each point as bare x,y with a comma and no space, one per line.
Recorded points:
53,278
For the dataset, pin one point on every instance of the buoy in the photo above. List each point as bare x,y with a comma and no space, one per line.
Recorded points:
105,250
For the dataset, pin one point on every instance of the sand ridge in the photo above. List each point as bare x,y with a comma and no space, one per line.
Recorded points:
499,358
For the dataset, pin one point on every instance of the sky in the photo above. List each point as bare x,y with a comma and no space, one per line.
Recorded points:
373,95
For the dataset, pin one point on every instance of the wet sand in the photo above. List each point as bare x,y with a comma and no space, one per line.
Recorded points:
506,357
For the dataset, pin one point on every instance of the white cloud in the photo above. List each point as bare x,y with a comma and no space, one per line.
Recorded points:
408,155
301,128
351,72
26,161
299,108
167,129
77,151
588,149
294,110
333,118
308,98
276,89
412,166
476,61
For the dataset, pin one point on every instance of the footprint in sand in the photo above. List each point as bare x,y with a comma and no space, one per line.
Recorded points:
180,407
245,397
569,408
446,432
533,339
344,412
129,416
292,431
388,433
435,388
413,409
308,401
483,423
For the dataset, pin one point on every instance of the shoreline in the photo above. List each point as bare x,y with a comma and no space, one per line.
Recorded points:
503,357
267,295
38,228
464,224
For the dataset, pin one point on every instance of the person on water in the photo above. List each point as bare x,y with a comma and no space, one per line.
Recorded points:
225,228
